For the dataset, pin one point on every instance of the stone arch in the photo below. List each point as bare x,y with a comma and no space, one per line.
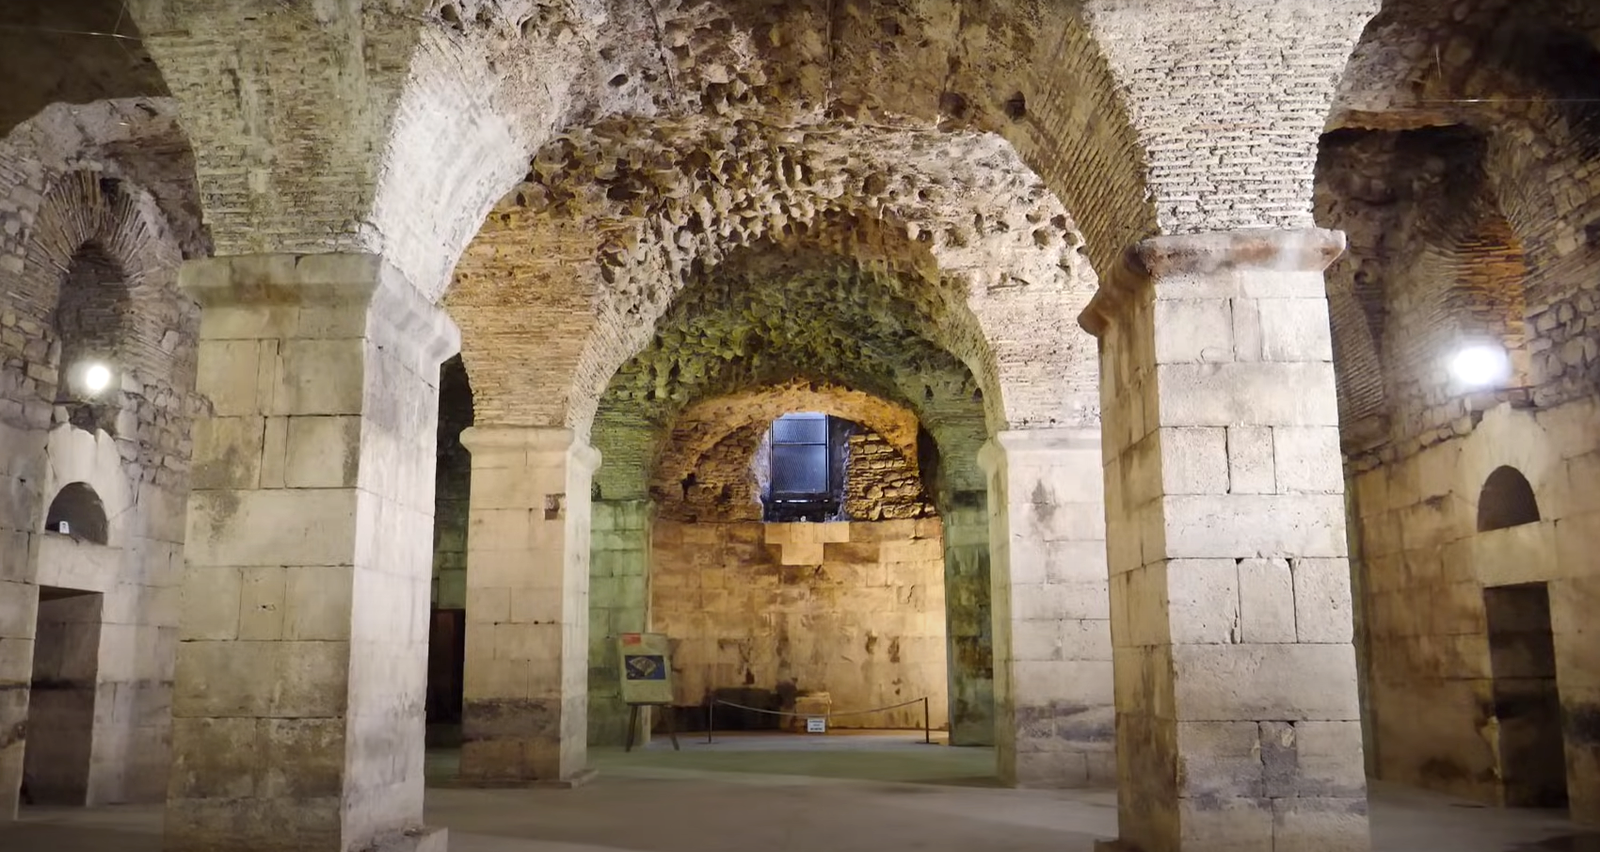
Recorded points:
76,510
93,461
1503,95
737,424
982,281
705,424
101,269
1506,500
792,321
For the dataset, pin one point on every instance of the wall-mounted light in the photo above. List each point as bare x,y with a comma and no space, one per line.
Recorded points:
1481,365
95,377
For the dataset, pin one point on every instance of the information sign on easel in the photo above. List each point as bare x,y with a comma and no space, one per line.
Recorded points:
646,677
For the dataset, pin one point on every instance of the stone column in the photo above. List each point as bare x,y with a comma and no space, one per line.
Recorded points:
619,602
525,710
298,705
969,629
1237,719
1052,640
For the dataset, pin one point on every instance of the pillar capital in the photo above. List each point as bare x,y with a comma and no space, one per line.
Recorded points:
536,446
1256,263
318,296
1019,442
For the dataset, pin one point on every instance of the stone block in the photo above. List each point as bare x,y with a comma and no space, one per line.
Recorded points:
1312,824
1234,824
1251,460
227,452
230,373
1219,759
319,603
1330,760
1239,525
1194,460
1295,330
1202,601
1266,601
1322,602
323,452
325,377
262,605
1307,459
1252,394
1247,334
275,527
1283,682
209,603
1193,330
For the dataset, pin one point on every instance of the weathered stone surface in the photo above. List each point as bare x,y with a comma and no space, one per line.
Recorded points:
860,617
525,714
317,676
1214,674
1053,685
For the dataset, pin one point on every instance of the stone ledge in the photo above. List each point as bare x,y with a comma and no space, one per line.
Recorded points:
1207,256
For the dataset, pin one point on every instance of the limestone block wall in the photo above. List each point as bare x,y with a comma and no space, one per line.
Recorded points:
766,612
1424,569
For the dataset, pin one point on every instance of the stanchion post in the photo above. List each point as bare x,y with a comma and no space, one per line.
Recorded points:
711,718
927,723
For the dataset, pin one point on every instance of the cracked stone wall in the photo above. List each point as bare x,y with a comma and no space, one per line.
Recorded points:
761,614
97,213
1463,175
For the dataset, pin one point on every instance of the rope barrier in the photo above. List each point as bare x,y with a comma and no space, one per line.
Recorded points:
711,724
821,715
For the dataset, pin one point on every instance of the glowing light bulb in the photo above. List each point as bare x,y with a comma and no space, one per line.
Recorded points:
96,378
1479,365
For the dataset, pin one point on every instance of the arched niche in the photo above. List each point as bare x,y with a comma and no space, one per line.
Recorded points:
78,511
1506,500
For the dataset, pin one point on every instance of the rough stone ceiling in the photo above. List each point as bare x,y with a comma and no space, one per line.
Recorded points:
767,317
616,218
107,58
1427,63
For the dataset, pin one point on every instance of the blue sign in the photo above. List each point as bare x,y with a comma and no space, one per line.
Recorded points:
644,667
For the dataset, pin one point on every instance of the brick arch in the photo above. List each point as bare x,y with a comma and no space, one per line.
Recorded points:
1501,255
600,252
107,239
705,424
720,441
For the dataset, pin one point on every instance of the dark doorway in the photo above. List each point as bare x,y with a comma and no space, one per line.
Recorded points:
447,645
1533,764
66,663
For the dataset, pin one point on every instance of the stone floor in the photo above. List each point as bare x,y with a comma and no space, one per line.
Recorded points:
801,794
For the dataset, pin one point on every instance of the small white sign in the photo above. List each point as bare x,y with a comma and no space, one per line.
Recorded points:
816,725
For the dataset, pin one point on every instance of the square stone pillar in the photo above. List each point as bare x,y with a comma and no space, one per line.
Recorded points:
619,602
969,627
1237,719
303,632
1052,637
525,709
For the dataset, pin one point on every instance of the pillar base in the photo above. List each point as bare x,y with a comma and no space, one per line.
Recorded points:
424,839
1117,845
573,782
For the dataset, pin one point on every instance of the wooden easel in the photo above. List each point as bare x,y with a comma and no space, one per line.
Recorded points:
633,724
